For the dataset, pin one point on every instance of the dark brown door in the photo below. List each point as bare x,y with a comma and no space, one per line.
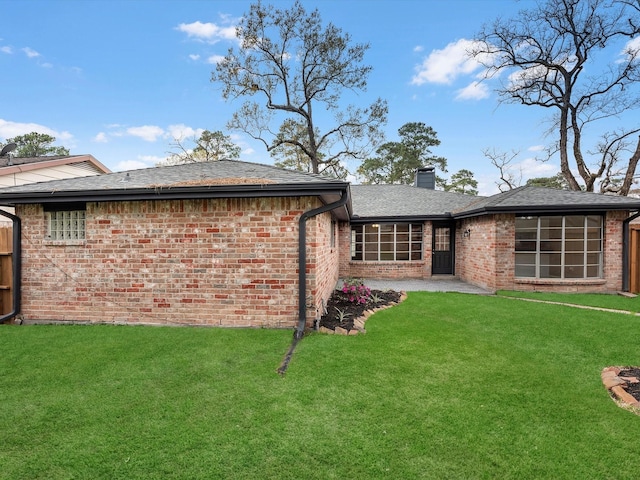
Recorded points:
443,251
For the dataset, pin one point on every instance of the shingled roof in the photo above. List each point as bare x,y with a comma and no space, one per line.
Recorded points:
233,178
546,200
223,178
392,201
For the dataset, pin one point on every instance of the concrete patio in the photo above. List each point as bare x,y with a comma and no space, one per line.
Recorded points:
434,284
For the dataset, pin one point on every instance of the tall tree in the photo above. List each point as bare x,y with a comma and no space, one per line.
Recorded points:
36,145
290,156
549,52
462,182
503,161
396,162
298,70
209,147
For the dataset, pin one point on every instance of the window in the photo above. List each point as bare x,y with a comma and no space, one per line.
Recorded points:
66,224
562,247
386,242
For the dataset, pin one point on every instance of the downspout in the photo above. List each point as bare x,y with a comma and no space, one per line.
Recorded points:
625,251
16,258
302,259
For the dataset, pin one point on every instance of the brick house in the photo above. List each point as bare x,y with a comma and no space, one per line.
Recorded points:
222,243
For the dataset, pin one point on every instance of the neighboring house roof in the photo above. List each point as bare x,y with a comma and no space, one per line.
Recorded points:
220,179
381,202
22,170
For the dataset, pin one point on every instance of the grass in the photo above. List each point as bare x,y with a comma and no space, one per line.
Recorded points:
609,301
441,386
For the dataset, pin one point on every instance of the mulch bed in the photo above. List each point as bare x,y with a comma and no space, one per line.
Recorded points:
623,384
339,302
632,388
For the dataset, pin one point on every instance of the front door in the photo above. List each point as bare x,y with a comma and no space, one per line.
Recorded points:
443,249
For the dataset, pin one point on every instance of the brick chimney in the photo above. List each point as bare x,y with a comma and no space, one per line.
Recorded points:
426,178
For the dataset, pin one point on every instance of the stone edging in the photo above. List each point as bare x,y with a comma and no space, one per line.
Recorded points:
614,385
358,323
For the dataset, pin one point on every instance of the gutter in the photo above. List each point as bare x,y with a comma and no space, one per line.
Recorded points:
625,251
302,259
541,210
16,258
170,193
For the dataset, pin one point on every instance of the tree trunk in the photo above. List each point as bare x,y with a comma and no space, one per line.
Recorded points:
631,171
564,155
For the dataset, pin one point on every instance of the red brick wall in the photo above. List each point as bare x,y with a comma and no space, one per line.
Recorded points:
228,262
322,274
386,270
487,257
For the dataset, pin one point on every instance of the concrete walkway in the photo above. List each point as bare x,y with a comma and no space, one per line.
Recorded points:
434,284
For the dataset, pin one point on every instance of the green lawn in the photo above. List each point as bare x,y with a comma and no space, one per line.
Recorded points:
443,385
614,302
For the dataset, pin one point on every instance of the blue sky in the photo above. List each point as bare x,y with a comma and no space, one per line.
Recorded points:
120,79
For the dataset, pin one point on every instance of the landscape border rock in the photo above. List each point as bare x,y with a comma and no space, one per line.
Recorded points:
615,385
358,323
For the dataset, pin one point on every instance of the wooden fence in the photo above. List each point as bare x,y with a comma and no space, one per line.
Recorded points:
6,269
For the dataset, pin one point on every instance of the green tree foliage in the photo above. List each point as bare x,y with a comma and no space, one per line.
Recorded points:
209,147
397,162
290,156
36,145
558,182
462,182
291,68
545,58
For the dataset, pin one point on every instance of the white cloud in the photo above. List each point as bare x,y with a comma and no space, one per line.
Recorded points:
631,49
148,133
12,129
532,168
444,66
101,138
6,49
418,48
215,59
208,32
29,52
194,57
142,161
526,75
64,136
536,148
473,91
181,131
130,165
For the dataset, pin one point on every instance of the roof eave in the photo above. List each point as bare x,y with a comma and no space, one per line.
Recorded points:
328,190
400,218
328,193
545,209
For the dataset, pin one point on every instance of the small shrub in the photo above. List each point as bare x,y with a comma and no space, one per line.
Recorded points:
341,316
356,291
